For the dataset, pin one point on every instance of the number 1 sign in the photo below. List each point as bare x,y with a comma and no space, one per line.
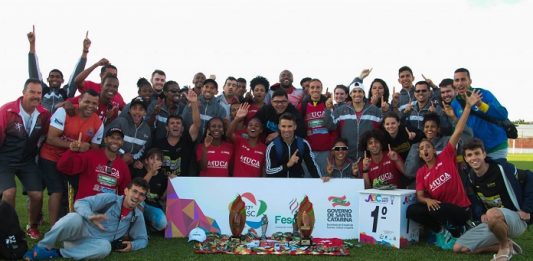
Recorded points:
382,217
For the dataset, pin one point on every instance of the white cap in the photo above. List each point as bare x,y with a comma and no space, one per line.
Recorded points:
357,85
197,234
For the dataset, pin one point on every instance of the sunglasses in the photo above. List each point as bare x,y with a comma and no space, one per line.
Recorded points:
340,148
417,91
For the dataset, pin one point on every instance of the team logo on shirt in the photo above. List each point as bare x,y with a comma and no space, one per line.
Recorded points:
249,161
439,181
217,164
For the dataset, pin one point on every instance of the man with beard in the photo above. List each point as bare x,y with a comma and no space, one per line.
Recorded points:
107,107
158,80
294,95
97,223
23,123
101,170
65,129
270,115
447,94
53,93
162,109
228,96
178,146
137,134
484,115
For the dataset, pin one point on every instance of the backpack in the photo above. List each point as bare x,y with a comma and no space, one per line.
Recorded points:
12,242
278,146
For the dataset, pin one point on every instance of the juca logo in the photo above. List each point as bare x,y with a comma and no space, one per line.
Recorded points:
339,201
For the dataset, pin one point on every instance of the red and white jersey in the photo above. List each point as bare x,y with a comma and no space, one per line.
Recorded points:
442,182
218,159
385,170
249,161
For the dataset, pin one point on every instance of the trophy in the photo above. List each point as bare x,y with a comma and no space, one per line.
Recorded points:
305,221
237,219
264,225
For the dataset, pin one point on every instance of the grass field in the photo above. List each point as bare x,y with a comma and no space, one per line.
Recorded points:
178,249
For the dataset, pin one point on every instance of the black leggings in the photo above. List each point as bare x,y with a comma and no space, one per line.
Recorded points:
435,219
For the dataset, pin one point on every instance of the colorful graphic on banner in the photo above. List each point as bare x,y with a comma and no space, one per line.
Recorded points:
195,201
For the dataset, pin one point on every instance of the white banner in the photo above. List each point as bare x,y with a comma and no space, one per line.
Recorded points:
194,201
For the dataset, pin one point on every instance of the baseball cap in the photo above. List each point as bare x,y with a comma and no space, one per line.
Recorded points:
114,130
197,234
138,100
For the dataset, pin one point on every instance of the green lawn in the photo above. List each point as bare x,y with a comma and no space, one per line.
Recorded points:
178,249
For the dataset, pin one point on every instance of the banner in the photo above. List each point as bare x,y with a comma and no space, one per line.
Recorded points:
204,202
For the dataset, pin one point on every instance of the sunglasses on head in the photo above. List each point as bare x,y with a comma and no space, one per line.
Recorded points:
340,148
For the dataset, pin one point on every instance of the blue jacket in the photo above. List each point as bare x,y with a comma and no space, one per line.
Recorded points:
492,135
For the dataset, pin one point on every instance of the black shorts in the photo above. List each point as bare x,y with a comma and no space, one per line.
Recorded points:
27,172
53,179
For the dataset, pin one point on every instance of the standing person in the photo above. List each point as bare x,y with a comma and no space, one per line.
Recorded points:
294,95
229,95
99,221
506,194
208,106
399,137
407,93
380,168
158,80
161,109
178,146
215,153
154,205
259,87
378,95
339,165
101,170
270,115
85,126
53,94
443,205
287,153
23,123
484,114
352,119
341,94
249,154
317,134
198,82
137,134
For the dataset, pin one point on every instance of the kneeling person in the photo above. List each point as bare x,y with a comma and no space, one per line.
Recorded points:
101,223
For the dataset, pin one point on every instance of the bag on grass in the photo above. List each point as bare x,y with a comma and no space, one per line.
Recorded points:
12,242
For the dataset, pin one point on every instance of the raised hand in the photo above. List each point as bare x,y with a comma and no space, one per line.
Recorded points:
365,73
366,162
86,42
384,104
475,98
31,36
208,139
111,112
393,155
448,110
242,111
102,62
432,107
374,100
293,159
355,167
192,97
329,103
329,166
410,135
429,81
408,107
328,94
395,96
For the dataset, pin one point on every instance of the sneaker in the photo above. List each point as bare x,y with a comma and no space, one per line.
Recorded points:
445,240
41,253
33,232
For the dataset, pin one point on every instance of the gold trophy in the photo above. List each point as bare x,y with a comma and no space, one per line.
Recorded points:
305,221
237,219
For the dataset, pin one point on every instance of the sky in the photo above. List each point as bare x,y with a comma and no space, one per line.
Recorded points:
330,40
